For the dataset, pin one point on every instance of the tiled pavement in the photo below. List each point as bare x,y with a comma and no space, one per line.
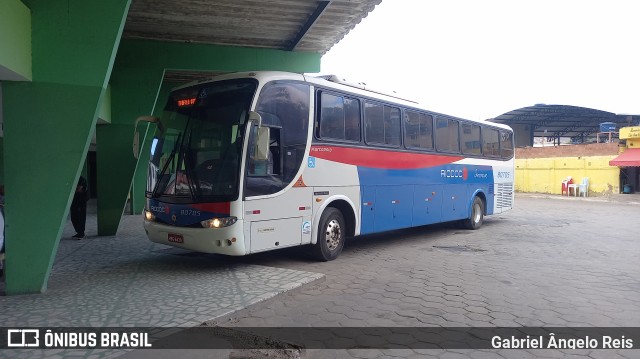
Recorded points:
551,261
126,280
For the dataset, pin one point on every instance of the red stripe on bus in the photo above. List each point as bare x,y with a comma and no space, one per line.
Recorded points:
381,159
222,207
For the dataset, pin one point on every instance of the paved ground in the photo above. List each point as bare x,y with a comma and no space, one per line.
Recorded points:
550,262
128,281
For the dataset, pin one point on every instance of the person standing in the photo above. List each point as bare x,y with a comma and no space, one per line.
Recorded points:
79,208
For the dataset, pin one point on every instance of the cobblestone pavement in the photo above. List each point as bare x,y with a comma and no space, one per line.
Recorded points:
128,281
549,262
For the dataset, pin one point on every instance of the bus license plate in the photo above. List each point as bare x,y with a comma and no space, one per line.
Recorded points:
176,238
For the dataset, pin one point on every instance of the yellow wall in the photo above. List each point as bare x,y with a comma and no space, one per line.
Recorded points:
545,175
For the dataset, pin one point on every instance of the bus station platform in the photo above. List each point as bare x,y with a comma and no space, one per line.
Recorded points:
128,281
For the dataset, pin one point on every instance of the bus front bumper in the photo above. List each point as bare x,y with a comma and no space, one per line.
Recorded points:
226,240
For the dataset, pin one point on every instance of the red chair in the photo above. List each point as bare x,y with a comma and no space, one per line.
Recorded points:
565,185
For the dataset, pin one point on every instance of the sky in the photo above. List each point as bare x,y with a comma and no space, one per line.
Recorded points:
479,59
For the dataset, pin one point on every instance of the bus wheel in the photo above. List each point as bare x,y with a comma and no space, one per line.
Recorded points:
331,235
476,217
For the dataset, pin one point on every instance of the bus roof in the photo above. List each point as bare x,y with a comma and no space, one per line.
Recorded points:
336,83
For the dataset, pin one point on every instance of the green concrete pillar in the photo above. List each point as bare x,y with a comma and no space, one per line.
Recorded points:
15,41
133,93
48,125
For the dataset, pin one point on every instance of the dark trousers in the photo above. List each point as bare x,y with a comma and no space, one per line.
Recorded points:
79,217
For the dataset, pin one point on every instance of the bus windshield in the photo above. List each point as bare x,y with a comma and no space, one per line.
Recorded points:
196,152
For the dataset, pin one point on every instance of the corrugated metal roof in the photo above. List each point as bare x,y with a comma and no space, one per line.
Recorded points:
554,121
302,25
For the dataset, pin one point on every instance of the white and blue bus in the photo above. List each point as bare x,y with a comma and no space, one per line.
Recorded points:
250,162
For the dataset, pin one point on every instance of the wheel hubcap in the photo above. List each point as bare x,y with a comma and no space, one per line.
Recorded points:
333,234
477,213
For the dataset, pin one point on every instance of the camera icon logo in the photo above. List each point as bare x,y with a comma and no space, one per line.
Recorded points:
23,338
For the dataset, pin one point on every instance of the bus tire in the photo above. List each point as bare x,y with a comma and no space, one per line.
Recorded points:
331,235
476,215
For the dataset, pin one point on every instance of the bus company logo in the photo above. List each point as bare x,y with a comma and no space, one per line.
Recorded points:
463,173
160,209
23,338
321,149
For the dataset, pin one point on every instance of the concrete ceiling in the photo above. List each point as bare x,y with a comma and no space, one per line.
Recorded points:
289,25
300,25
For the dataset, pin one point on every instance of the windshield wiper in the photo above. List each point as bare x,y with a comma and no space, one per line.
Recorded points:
154,194
192,180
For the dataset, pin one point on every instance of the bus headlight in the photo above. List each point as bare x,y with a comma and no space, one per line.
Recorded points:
218,222
148,216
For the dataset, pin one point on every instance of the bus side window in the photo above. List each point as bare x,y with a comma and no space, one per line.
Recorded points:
264,171
382,124
339,118
447,135
332,117
391,126
490,142
374,125
471,144
506,145
351,119
419,130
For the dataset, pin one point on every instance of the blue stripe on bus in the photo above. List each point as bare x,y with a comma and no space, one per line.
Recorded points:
394,199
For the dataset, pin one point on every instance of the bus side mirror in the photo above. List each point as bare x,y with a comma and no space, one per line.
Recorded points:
255,117
136,134
262,144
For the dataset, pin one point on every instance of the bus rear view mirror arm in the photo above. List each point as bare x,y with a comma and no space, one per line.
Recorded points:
255,117
136,134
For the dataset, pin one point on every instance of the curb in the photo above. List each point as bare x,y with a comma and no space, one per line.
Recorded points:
631,200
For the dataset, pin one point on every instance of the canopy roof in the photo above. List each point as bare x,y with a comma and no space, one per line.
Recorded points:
309,25
555,121
290,25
